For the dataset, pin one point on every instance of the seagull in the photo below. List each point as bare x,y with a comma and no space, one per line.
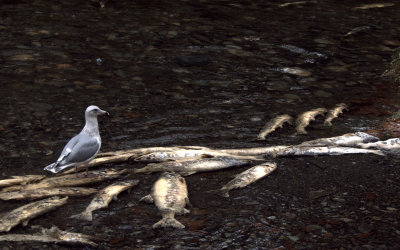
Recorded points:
83,147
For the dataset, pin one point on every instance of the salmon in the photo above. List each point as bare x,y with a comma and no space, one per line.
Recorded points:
334,113
192,166
170,195
272,125
247,177
104,197
29,211
304,119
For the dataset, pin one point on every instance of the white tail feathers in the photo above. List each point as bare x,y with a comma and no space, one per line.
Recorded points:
55,167
52,168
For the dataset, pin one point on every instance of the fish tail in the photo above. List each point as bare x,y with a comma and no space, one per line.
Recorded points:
220,192
168,222
261,137
138,170
85,215
144,170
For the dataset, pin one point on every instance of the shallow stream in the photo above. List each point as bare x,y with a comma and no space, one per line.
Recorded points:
207,73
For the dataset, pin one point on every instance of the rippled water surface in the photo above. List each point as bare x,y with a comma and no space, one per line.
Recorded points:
205,73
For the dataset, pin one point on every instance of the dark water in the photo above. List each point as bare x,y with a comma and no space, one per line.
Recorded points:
204,73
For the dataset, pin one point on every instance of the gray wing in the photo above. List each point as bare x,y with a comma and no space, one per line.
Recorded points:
67,149
81,149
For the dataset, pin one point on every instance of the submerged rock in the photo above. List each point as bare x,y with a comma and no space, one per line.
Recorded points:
193,60
295,71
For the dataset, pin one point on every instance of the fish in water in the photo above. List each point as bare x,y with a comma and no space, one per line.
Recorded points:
272,125
104,197
46,192
334,112
304,119
189,167
247,177
348,140
169,194
263,151
21,180
330,150
178,154
392,145
29,211
162,156
70,180
357,30
374,5
53,235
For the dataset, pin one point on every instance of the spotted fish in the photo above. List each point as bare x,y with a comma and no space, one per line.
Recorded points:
104,197
334,112
247,177
170,195
272,125
304,119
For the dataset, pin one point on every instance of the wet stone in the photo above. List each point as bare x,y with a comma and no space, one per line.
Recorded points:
322,93
338,69
324,41
295,71
24,57
291,97
280,60
278,85
193,60
172,33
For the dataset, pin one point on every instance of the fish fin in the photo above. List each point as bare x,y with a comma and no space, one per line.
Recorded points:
85,215
187,173
139,170
146,170
169,222
220,192
114,198
187,202
362,145
378,152
191,147
148,199
205,156
185,211
25,223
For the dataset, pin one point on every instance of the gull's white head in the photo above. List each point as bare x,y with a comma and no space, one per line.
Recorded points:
94,111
